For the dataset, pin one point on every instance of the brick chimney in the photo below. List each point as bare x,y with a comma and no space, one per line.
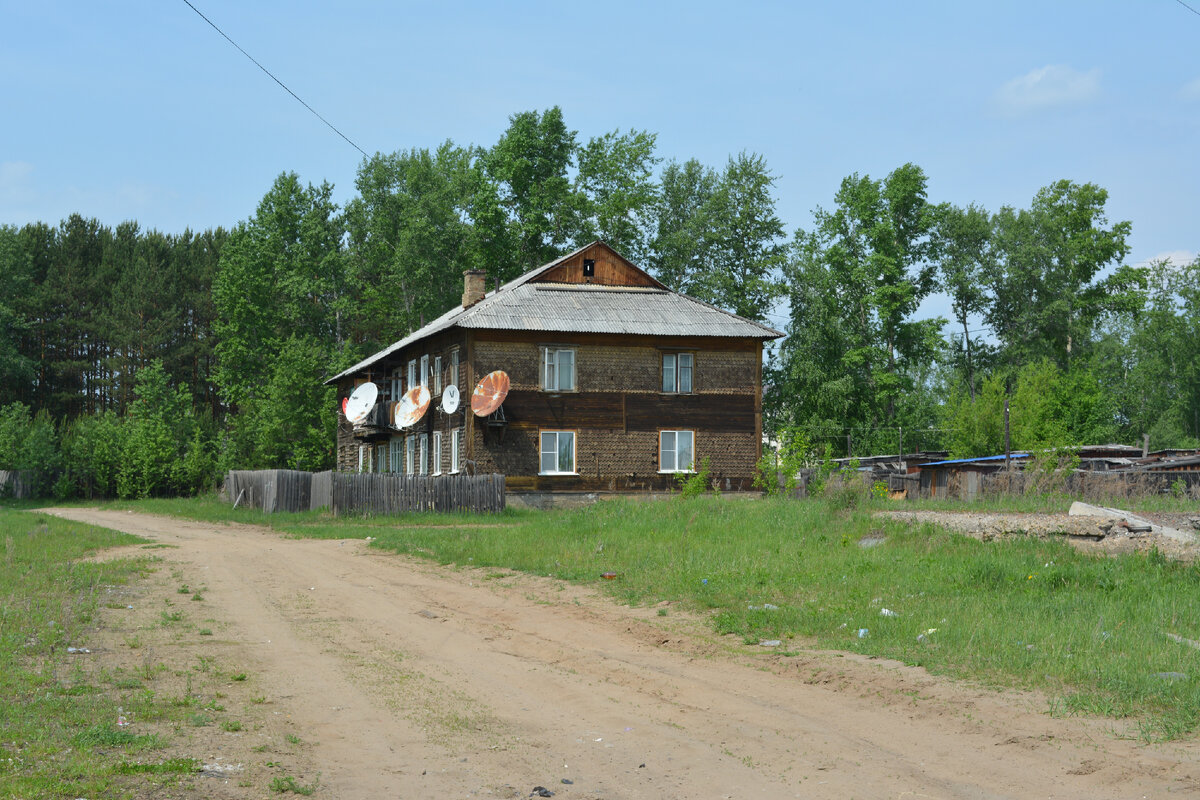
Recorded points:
474,287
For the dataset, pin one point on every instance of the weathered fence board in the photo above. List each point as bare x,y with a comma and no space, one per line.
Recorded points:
364,493
375,493
15,483
270,489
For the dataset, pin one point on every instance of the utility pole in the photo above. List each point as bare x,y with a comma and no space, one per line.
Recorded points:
1007,447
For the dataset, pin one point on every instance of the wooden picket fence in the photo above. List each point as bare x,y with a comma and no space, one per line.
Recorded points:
364,493
14,483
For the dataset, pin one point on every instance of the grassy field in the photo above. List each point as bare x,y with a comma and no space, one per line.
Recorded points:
61,737
1090,632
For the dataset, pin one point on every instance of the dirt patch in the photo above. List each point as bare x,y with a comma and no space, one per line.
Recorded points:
402,678
1089,534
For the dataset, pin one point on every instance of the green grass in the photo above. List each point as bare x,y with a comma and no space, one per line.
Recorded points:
287,783
60,734
1087,630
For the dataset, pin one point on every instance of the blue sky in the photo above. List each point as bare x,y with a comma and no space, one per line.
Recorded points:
139,110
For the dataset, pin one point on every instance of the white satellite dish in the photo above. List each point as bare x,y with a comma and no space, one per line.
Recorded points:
450,399
361,401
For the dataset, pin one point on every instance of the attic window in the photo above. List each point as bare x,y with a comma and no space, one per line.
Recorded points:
589,267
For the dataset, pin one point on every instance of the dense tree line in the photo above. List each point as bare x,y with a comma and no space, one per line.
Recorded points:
1085,348
134,362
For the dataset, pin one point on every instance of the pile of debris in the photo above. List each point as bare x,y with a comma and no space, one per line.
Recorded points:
1087,527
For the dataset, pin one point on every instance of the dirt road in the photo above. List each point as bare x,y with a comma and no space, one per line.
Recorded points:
414,680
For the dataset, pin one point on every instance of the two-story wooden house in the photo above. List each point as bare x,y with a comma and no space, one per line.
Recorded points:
617,383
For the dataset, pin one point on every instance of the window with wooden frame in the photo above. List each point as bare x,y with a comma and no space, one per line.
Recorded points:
425,370
437,452
677,372
412,374
455,438
437,377
454,367
424,466
410,451
396,454
397,382
557,453
676,451
380,461
558,369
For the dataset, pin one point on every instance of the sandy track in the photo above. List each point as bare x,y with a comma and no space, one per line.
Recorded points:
421,681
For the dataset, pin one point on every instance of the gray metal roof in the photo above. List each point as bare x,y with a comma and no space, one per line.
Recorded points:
588,308
523,305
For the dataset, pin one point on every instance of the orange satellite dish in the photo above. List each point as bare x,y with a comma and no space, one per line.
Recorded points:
412,407
489,393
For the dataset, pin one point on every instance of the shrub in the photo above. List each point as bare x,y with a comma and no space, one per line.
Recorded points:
696,483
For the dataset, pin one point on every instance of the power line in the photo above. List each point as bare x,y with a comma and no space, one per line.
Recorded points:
1189,8
281,83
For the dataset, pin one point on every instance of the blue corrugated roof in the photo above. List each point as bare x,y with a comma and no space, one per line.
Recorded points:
1000,457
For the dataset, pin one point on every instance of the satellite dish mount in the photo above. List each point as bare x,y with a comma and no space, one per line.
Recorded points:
488,397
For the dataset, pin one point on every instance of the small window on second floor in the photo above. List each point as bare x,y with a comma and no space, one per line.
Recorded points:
677,373
425,371
437,377
412,375
558,369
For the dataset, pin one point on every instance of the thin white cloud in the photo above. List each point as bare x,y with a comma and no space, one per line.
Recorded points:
1191,90
1177,258
1051,86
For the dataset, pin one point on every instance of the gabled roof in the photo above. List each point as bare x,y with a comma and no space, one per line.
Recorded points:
530,304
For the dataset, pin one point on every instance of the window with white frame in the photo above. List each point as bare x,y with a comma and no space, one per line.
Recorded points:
412,373
558,453
410,451
437,452
677,373
397,383
558,369
676,451
362,457
425,370
381,453
424,454
396,454
437,376
454,367
455,438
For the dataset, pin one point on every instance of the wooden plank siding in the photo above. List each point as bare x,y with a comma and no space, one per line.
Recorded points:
629,411
610,270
